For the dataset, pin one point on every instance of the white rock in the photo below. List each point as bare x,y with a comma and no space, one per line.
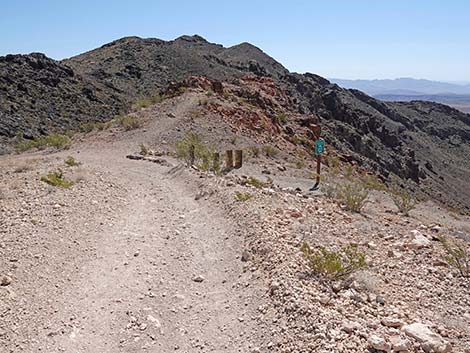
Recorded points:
429,341
154,320
418,240
350,326
400,344
391,322
379,343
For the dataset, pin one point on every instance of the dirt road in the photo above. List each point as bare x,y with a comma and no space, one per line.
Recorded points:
165,276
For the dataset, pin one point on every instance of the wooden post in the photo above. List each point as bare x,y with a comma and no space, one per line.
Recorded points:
191,155
229,159
238,159
216,162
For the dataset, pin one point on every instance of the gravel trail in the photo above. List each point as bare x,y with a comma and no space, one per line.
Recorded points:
165,276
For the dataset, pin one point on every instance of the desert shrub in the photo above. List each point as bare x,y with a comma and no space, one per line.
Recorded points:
330,190
295,139
71,162
270,151
334,264
255,182
93,125
404,201
457,256
57,179
242,196
348,170
281,118
56,141
299,164
372,182
192,150
353,196
143,150
333,161
254,151
144,102
87,127
128,122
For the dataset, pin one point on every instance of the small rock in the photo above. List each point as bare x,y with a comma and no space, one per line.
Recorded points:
6,280
400,344
418,240
350,326
380,300
246,256
379,343
198,278
391,322
154,320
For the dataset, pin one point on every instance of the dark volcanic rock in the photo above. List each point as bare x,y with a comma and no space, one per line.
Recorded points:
422,141
40,95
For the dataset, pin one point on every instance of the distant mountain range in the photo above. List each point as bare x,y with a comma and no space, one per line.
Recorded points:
410,89
404,86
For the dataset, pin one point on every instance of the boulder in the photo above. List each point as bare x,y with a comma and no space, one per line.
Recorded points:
428,340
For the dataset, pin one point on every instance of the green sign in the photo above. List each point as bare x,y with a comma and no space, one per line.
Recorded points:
319,146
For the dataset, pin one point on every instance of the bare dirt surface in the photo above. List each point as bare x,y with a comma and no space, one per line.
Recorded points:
139,256
162,271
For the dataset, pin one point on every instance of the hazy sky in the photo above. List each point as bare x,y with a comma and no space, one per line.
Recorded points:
334,38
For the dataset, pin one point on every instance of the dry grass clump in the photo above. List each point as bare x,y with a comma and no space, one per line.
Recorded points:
457,256
57,178
332,264
242,196
270,151
145,102
128,122
352,195
193,151
143,150
71,162
255,182
404,201
56,141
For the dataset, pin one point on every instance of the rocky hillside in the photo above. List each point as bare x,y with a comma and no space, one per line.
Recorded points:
423,142
40,96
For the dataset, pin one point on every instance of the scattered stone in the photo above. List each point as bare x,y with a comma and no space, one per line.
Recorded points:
418,240
154,320
379,343
246,256
429,341
6,280
391,322
380,300
198,278
400,344
350,326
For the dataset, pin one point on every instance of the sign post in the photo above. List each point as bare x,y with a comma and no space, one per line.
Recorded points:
319,150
